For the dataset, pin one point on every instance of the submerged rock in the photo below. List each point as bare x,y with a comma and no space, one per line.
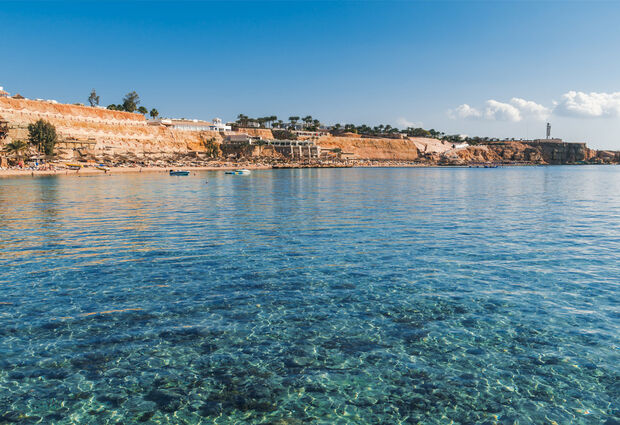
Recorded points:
145,416
167,401
112,399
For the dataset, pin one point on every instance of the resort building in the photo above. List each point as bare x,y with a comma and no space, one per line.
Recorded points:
289,148
241,139
218,125
186,125
306,133
192,125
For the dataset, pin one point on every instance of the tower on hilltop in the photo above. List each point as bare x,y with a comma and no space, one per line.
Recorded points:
548,131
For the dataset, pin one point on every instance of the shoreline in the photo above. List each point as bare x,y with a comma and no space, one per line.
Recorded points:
120,170
227,167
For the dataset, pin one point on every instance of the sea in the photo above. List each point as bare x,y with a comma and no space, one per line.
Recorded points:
312,296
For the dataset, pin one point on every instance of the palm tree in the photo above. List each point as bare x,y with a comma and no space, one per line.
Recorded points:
242,119
15,147
293,121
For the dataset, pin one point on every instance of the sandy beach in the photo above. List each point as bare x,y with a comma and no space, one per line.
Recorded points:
15,172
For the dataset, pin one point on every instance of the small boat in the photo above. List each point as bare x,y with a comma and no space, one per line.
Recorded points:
73,166
102,167
239,172
179,173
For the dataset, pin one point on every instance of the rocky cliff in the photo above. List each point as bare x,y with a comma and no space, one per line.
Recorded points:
374,149
105,133
523,152
99,131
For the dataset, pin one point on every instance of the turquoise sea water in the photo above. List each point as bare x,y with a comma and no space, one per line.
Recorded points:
351,296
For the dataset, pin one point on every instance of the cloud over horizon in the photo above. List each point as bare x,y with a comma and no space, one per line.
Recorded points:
516,110
572,104
589,105
405,123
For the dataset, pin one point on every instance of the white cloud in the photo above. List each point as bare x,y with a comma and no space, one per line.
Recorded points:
515,111
589,105
530,109
404,123
464,111
500,111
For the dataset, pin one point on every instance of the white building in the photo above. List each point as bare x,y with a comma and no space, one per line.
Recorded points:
193,125
217,125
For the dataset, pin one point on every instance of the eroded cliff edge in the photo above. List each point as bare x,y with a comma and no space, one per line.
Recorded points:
106,134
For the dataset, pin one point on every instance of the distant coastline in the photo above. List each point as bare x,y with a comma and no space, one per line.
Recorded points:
118,139
92,171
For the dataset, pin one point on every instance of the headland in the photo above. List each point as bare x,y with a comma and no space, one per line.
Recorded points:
93,136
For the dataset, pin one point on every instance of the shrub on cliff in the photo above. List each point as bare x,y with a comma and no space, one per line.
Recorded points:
42,134
284,135
212,148
131,101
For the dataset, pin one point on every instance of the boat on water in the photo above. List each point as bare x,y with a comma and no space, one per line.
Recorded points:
238,172
179,173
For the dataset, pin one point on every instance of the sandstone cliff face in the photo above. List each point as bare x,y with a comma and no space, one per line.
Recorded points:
381,149
102,132
99,130
265,133
564,153
520,152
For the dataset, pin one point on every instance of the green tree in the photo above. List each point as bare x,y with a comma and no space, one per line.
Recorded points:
242,120
42,134
307,120
293,121
143,110
284,135
93,99
15,148
212,148
131,101
154,113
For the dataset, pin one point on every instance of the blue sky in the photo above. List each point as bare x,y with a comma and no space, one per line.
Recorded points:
479,68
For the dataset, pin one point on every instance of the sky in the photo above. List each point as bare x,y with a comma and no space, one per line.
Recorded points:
497,69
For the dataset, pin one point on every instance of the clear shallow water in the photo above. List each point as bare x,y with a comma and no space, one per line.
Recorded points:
366,296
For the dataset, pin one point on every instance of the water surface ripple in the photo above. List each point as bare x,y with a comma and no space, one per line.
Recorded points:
353,296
